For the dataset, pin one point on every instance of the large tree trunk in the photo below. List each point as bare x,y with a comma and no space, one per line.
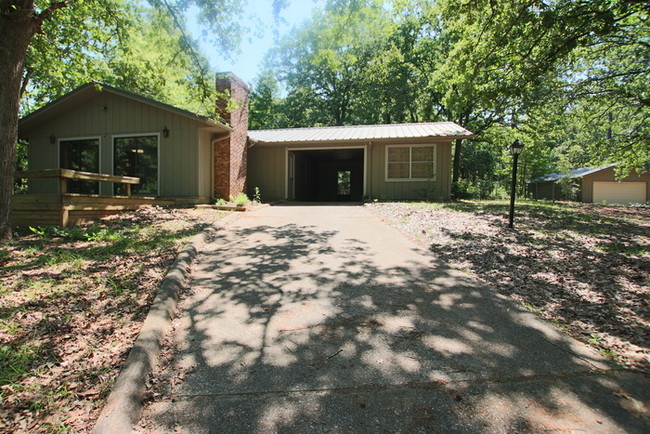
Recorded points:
18,24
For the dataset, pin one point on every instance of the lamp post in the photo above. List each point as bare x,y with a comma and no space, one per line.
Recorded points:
515,150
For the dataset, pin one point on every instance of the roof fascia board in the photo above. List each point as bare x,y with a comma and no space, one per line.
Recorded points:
396,140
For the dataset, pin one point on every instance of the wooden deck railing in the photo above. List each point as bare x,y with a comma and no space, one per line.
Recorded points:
65,174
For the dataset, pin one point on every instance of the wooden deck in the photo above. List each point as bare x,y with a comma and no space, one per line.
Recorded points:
69,209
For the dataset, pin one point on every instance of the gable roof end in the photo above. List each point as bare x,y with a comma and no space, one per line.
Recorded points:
88,91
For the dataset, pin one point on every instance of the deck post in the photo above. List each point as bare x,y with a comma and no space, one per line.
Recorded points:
63,185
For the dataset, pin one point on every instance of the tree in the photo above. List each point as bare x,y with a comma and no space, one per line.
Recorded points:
27,23
323,63
265,103
504,50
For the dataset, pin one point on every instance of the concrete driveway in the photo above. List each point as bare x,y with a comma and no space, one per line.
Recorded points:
324,318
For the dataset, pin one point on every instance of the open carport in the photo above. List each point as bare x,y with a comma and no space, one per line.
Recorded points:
326,174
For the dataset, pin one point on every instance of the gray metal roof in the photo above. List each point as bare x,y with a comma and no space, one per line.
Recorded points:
576,173
360,132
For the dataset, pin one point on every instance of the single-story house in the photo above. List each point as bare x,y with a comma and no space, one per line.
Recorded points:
596,185
102,129
182,157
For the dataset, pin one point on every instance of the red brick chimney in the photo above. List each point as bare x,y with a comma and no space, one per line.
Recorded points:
230,153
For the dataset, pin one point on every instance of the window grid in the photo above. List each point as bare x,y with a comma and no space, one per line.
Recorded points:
410,163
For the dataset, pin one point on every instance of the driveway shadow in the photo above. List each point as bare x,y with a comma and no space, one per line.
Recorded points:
346,327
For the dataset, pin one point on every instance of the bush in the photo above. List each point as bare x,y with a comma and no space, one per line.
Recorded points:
240,200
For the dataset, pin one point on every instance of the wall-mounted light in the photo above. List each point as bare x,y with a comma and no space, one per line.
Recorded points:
165,132
52,139
103,108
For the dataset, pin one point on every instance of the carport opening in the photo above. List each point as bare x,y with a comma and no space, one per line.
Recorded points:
326,175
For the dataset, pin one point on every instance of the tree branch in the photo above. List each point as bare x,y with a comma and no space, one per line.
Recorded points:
46,13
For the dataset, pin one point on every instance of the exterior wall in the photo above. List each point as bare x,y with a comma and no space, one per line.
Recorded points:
543,190
439,189
231,153
267,169
205,166
107,115
608,175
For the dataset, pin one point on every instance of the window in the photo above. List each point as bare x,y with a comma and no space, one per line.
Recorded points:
410,163
81,155
137,156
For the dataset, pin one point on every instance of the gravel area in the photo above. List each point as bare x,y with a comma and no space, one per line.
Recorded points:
583,267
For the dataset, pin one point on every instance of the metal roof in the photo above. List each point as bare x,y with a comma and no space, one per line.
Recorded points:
577,173
360,132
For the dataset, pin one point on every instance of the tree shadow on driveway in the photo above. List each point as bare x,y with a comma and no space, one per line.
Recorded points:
347,327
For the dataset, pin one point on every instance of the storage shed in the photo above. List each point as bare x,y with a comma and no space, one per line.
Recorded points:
596,185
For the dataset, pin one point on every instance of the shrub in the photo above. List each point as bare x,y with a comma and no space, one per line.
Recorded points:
240,200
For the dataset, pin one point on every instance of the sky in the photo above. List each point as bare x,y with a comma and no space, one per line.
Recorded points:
254,45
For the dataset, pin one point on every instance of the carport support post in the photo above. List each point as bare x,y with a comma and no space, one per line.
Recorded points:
515,150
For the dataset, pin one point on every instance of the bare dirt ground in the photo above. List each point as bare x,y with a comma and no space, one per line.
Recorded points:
583,267
72,302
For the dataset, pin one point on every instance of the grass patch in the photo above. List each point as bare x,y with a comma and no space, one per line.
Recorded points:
615,247
15,362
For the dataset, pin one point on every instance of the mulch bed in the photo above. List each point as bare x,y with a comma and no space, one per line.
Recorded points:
71,307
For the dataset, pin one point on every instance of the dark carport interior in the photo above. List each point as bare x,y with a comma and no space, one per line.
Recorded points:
327,175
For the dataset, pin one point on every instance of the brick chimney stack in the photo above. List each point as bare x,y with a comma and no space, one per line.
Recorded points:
230,153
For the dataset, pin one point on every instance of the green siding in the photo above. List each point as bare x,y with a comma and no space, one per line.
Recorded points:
438,189
267,170
178,154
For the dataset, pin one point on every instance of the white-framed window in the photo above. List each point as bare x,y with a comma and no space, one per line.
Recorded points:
410,162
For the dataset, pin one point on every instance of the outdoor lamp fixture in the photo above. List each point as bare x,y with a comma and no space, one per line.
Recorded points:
52,139
165,132
515,149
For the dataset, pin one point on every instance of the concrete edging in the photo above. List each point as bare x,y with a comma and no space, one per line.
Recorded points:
124,404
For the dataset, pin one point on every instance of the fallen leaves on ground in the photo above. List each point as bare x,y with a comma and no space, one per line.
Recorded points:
584,267
72,303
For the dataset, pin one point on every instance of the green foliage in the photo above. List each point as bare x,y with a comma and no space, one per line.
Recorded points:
92,233
569,79
221,202
257,195
240,200
20,185
15,362
138,46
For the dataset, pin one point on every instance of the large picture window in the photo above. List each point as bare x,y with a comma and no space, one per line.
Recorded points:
137,156
410,163
81,155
